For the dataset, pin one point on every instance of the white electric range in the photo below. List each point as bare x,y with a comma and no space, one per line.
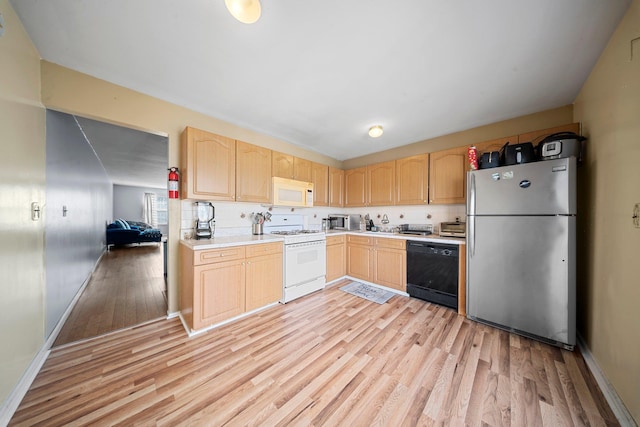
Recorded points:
305,255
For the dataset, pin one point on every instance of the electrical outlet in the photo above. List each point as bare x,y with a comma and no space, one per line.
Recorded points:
636,215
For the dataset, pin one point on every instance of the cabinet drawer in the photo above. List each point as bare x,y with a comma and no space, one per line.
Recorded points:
360,240
336,240
218,255
264,249
390,243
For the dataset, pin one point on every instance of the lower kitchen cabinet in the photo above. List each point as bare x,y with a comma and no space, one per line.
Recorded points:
263,279
219,284
360,257
336,257
390,263
378,260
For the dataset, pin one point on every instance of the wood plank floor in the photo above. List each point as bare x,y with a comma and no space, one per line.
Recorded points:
126,289
328,359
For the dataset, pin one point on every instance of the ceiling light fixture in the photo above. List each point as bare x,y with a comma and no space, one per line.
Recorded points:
245,11
375,131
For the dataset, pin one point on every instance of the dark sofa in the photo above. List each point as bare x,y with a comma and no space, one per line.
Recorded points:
122,232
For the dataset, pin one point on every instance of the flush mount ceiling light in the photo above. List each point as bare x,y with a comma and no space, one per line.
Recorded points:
245,11
375,131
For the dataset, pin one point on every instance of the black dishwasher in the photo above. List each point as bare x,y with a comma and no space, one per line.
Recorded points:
432,272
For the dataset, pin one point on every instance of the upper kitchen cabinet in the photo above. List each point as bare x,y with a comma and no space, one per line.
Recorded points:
412,174
253,172
291,167
447,176
207,166
302,169
381,184
282,165
538,135
355,187
320,179
336,187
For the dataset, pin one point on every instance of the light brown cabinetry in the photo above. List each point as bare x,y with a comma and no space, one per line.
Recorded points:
291,167
263,275
355,187
336,257
207,166
447,176
336,187
360,257
320,179
218,284
390,263
381,184
253,172
412,174
372,185
378,260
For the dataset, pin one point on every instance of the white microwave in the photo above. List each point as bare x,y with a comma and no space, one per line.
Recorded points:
289,192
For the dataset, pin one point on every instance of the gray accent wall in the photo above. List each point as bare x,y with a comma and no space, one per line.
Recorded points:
128,203
75,240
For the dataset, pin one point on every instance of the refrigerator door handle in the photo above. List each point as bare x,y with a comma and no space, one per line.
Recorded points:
471,207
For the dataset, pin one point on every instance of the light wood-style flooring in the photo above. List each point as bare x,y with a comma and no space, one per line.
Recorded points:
328,359
126,289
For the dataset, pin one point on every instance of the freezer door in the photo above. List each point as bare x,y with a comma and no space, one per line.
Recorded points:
540,188
521,275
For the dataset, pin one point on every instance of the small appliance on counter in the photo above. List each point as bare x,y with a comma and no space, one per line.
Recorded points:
205,214
416,229
344,222
453,229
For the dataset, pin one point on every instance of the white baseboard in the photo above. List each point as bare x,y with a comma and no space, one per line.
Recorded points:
619,410
10,405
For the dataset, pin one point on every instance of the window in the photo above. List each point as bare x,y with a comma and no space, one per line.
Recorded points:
162,212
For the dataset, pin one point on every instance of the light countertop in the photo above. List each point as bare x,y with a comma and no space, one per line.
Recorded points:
249,239
226,241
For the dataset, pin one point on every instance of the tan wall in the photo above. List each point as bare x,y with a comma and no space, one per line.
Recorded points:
76,93
608,261
22,178
542,120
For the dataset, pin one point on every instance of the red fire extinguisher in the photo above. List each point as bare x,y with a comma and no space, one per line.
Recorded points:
174,177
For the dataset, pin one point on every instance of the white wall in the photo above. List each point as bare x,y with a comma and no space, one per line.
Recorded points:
128,203
22,181
73,243
229,218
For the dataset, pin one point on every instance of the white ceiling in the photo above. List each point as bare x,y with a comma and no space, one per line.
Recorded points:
318,73
129,156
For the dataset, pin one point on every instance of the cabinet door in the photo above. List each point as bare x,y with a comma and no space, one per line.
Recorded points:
336,187
282,165
355,186
391,268
208,166
412,175
447,176
219,292
302,169
336,260
253,172
381,184
360,262
320,179
263,280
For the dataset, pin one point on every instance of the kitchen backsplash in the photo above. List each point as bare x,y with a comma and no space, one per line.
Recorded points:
235,218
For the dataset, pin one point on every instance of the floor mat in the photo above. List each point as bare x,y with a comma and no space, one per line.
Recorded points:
368,292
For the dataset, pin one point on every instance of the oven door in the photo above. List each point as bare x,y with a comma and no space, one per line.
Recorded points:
305,262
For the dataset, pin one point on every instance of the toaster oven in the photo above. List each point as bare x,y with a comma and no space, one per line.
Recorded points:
453,229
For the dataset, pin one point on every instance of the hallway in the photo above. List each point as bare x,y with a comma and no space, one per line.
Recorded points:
127,288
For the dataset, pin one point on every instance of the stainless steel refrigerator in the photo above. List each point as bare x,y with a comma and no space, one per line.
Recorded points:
521,250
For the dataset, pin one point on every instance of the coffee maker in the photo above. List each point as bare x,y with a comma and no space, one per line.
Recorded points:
205,214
